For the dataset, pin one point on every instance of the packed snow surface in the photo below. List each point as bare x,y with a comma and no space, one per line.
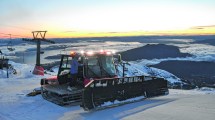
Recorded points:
195,104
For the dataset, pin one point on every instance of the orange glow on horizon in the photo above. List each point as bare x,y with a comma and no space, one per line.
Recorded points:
76,34
76,19
191,31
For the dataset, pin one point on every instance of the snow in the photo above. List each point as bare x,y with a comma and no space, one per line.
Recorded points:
206,90
194,104
137,69
180,107
179,104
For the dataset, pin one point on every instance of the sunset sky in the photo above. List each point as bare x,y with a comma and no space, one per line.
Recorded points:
94,18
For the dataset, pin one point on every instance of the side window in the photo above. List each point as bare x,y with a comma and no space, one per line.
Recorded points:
107,64
66,62
66,65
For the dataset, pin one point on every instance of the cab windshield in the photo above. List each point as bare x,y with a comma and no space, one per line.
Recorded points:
100,66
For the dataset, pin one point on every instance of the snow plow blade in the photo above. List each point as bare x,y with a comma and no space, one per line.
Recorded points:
100,91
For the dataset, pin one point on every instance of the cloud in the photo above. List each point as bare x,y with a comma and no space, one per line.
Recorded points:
203,27
69,31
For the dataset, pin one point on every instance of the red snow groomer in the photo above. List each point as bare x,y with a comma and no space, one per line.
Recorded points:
98,84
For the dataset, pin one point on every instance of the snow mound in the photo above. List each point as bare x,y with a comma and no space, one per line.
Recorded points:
135,69
22,71
206,90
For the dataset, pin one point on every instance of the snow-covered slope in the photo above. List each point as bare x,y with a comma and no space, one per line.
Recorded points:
135,69
178,105
195,104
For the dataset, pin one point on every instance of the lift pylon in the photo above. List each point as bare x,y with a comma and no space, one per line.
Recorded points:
38,36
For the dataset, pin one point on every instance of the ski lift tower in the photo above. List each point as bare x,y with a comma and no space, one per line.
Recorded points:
38,36
9,45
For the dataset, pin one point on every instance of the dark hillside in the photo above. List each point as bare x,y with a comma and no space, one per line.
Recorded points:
152,51
198,73
207,41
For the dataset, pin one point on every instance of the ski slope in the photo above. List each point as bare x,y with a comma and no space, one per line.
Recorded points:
178,105
195,104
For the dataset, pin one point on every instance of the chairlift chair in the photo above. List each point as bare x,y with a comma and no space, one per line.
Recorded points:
9,46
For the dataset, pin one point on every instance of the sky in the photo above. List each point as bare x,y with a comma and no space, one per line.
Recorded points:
96,18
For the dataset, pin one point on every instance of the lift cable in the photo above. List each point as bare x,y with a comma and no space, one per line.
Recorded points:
19,36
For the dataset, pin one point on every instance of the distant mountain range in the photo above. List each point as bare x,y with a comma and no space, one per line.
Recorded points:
207,41
152,51
142,39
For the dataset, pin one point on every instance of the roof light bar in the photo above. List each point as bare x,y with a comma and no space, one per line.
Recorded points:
82,52
90,53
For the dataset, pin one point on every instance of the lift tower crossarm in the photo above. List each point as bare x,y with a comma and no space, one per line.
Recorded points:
38,36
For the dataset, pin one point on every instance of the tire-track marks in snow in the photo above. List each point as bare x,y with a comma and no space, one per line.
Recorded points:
149,104
31,108
117,112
